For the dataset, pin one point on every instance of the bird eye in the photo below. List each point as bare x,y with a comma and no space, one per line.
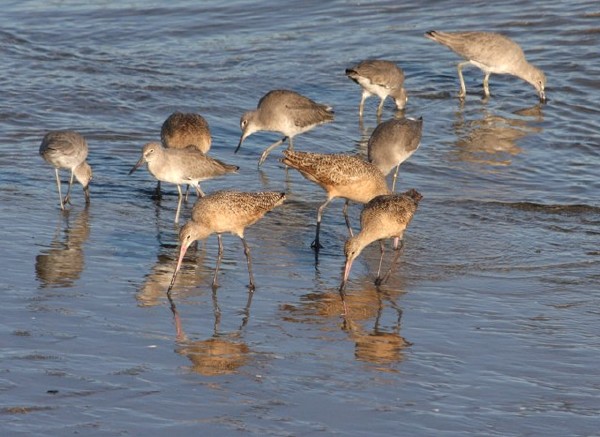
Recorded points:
243,123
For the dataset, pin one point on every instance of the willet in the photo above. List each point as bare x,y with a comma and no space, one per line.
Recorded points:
393,142
492,53
68,149
380,78
383,217
181,130
343,176
286,112
181,166
225,211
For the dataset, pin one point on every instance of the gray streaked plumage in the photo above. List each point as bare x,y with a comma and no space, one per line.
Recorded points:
68,149
339,175
381,78
492,53
286,112
393,142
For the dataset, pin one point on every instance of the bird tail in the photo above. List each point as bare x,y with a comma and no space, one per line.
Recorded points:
414,195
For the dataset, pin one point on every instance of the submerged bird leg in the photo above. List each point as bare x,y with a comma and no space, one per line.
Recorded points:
246,311
463,88
315,244
345,211
60,199
157,194
249,260
215,283
382,250
67,198
486,87
395,177
397,249
268,150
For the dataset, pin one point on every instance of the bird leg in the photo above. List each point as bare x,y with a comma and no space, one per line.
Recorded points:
345,211
397,249
382,249
463,88
486,87
315,244
361,106
395,177
249,260
60,199
199,191
215,283
268,150
380,107
179,199
67,198
157,194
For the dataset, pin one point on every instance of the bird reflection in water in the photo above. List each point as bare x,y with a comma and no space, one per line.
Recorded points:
377,344
61,264
365,321
152,290
220,354
491,139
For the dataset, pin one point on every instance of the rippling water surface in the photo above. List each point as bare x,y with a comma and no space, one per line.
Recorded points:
488,326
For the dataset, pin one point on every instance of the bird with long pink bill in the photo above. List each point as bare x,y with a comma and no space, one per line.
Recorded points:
221,212
383,217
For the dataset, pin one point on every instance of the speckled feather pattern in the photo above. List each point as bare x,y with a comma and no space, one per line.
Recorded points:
181,130
330,170
232,211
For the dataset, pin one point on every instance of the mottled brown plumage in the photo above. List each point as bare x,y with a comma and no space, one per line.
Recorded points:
225,211
339,175
181,130
383,217
286,112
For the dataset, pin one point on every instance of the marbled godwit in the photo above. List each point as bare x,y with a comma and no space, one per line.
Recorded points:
343,176
225,211
181,166
68,149
380,78
286,112
393,142
383,217
492,53
181,130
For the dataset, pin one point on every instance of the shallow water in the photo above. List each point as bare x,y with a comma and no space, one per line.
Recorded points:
488,325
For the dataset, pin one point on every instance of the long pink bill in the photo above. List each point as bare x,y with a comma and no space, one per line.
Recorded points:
181,255
347,269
